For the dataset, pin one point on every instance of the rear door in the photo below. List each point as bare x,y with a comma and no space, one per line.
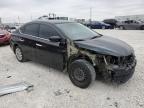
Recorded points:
48,52
27,39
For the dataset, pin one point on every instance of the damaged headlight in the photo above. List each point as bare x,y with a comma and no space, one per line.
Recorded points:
111,59
100,59
123,60
106,59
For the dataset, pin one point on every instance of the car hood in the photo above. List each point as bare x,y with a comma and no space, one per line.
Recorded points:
106,45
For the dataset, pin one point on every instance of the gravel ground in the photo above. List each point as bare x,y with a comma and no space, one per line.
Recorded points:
53,89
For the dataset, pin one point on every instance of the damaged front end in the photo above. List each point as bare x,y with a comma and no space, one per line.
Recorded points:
117,69
114,59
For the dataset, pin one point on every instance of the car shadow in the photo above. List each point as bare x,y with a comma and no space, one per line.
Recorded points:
99,77
49,67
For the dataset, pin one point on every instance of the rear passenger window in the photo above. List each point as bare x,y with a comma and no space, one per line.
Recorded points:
46,31
31,29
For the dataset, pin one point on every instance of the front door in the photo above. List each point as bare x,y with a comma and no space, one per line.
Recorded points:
50,53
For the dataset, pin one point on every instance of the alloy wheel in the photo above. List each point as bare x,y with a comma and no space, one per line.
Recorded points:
18,54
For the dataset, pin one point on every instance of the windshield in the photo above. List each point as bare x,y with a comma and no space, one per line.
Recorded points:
76,31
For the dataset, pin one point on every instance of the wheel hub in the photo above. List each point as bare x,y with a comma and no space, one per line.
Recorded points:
79,74
18,54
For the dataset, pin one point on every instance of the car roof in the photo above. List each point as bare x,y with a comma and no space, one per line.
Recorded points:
53,21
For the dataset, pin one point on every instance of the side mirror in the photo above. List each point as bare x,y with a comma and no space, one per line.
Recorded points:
55,38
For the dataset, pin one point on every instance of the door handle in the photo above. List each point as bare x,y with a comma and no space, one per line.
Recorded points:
22,40
38,45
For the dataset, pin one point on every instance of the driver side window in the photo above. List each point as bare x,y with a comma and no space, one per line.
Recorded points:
30,29
47,31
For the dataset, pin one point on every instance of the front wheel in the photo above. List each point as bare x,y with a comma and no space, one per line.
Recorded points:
81,73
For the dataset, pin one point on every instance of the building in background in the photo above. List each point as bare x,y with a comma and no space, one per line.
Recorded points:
52,16
62,18
130,17
82,21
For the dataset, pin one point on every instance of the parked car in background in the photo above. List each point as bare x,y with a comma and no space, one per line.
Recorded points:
10,28
98,25
4,37
73,47
130,25
112,22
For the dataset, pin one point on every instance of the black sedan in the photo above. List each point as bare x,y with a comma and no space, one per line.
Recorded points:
76,49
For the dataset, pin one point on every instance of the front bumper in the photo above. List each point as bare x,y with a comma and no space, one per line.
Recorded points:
121,74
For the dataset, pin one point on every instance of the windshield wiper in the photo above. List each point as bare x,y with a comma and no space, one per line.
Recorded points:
96,36
79,40
89,38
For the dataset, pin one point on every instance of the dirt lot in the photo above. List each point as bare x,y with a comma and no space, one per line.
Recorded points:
53,89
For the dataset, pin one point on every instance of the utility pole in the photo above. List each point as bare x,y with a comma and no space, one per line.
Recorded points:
18,19
90,16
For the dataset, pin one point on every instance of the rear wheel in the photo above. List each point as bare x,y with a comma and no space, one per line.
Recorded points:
81,73
19,54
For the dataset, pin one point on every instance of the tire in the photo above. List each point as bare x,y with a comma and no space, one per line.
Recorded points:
81,73
121,28
19,54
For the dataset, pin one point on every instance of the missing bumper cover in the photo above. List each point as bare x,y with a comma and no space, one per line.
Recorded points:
7,89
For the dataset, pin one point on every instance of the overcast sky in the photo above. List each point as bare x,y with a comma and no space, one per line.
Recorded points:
101,9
